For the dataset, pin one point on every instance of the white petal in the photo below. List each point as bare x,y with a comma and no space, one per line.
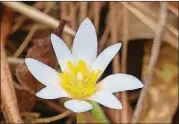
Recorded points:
78,106
43,73
62,52
107,99
85,43
105,57
119,82
52,92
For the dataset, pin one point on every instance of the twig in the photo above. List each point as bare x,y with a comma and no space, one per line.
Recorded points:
83,11
114,39
22,19
63,10
124,99
6,23
37,15
8,98
34,114
47,9
97,12
154,55
170,39
104,38
14,60
147,9
54,118
73,10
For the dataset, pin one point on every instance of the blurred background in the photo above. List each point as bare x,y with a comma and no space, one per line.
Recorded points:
147,30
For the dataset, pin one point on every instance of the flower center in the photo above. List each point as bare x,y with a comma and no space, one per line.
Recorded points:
78,81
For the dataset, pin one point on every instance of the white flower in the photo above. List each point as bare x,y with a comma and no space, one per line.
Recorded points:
81,70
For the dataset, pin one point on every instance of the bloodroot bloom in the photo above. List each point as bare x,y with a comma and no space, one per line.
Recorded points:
81,70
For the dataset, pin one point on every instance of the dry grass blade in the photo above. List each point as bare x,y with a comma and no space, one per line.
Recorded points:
169,38
73,10
153,59
47,9
8,98
14,60
6,23
114,39
104,38
22,19
152,14
37,15
97,12
83,10
54,118
124,99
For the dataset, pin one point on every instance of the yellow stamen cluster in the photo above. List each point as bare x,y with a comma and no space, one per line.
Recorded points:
78,81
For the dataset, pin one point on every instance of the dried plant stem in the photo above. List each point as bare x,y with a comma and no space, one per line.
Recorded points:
34,114
114,39
14,60
26,41
73,10
6,23
32,31
170,39
104,38
97,12
37,15
147,10
154,55
54,118
22,19
9,102
124,99
83,11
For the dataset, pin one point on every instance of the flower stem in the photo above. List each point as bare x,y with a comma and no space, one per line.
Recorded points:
98,113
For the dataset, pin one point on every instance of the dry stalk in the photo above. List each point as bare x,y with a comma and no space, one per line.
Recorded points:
170,39
90,11
14,60
104,38
6,23
29,36
34,114
8,98
124,99
54,118
73,10
21,19
114,39
97,12
83,11
37,15
153,59
153,15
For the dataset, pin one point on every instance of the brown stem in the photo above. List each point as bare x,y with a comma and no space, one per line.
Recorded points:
124,99
153,59
32,31
8,97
